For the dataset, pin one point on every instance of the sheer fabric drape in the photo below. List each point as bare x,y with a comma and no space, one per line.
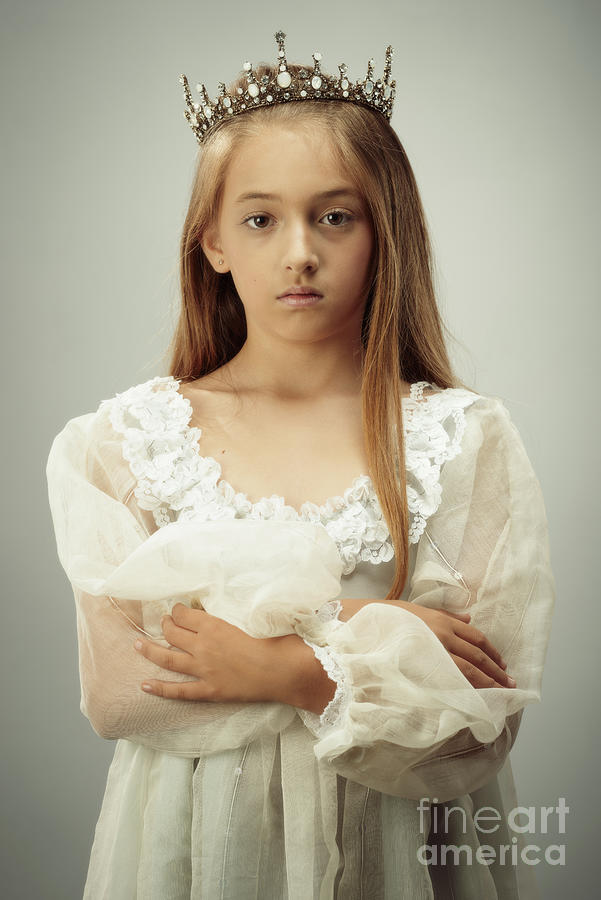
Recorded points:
485,548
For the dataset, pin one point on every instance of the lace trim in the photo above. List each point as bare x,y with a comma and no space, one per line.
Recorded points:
336,708
330,610
175,481
433,436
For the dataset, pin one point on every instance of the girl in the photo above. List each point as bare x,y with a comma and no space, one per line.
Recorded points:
334,554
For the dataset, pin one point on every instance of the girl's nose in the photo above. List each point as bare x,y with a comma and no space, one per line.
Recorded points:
299,248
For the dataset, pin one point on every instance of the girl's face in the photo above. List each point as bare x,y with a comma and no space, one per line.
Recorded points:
290,216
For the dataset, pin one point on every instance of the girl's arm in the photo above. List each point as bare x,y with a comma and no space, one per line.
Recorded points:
405,719
98,534
99,529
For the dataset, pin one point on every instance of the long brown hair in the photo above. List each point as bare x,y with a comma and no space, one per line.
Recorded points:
402,330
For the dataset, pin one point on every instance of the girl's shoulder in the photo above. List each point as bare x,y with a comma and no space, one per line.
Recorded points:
444,414
123,426
434,402
146,403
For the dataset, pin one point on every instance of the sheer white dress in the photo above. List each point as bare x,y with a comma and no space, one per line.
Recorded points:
231,801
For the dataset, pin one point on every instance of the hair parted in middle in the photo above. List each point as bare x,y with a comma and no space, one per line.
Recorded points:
403,334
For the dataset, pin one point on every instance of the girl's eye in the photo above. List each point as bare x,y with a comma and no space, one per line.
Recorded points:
252,218
334,212
339,212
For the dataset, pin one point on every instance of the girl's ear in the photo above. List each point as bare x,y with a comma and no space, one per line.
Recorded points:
211,246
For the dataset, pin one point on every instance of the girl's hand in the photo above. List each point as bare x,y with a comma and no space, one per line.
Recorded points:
472,652
227,664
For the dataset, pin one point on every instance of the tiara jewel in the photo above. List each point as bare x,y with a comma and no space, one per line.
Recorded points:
309,84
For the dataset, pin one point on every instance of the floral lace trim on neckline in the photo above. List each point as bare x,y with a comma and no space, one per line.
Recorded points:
308,509
175,481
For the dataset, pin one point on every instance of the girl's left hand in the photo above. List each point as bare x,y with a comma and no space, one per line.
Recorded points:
227,663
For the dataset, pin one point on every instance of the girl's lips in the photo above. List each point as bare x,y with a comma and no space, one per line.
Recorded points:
300,299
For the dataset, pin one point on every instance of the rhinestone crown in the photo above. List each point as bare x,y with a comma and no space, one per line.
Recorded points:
310,84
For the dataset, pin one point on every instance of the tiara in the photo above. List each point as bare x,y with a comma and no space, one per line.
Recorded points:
310,84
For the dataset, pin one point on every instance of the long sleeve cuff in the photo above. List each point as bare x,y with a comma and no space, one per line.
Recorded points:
334,711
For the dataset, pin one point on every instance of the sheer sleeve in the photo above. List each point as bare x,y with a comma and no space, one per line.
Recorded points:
126,574
407,722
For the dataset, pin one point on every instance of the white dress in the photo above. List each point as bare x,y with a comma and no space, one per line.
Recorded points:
231,801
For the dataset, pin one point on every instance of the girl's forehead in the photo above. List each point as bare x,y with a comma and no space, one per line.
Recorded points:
306,159
278,142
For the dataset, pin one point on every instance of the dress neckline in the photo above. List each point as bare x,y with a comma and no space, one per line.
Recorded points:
308,508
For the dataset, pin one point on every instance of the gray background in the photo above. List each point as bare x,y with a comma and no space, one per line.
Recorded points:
497,106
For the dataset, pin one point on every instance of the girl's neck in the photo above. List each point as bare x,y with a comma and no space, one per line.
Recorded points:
299,372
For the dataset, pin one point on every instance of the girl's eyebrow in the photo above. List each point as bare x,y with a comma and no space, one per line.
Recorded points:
334,192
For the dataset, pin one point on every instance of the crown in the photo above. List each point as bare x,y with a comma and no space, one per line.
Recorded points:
310,84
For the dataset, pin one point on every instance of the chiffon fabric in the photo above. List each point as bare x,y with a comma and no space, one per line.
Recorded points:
266,800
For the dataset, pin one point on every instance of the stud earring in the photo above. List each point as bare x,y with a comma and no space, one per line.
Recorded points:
220,262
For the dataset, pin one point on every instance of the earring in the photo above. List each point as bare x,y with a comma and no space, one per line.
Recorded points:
220,262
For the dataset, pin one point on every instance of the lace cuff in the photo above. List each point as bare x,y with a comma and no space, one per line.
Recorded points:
332,714
334,710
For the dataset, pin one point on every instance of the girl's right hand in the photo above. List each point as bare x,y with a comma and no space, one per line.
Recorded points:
471,651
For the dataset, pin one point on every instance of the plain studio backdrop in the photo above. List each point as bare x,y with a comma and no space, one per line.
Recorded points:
497,106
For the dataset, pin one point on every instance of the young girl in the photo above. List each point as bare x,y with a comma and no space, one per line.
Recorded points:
333,553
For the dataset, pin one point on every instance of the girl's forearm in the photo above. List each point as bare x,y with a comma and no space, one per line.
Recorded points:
303,681
299,678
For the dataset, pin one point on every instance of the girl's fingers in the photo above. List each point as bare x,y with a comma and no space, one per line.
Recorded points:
176,690
186,617
480,661
178,635
477,639
475,676
464,616
172,659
